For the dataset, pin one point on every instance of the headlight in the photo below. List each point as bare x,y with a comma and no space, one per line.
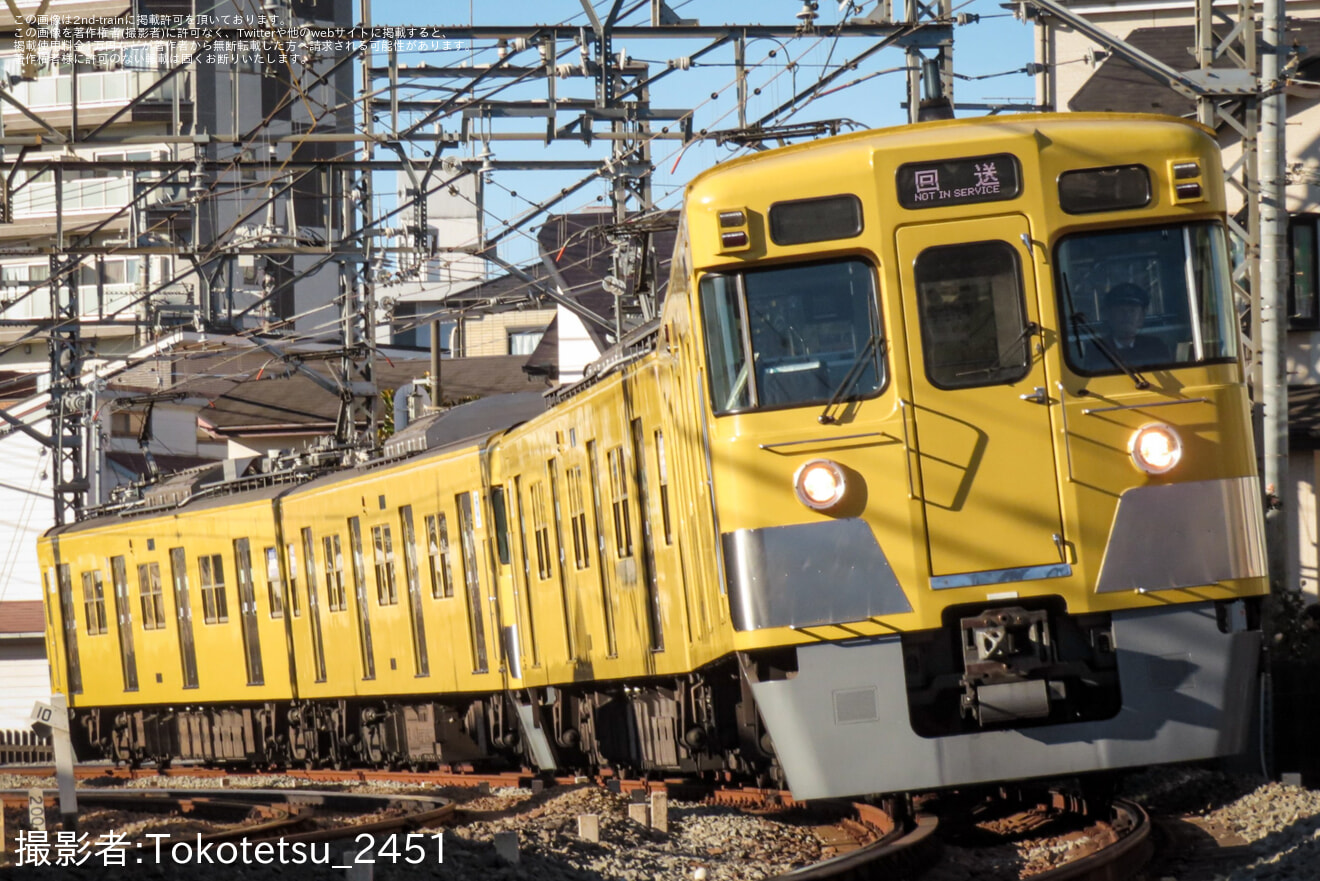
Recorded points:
820,484
1155,449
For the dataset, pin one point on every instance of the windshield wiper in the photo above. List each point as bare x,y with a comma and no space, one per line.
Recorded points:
1080,323
855,371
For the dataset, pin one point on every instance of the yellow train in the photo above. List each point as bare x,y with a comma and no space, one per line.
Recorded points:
935,469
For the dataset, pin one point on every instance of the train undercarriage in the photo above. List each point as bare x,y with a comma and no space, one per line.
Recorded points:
701,723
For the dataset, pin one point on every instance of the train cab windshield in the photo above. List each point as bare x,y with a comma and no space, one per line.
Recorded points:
792,336
1150,298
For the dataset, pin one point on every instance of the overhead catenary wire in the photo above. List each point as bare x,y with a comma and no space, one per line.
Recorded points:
299,93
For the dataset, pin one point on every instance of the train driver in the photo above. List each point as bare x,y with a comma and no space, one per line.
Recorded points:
1124,306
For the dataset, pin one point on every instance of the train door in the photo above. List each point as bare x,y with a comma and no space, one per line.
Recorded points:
124,617
183,614
69,617
360,593
524,588
647,556
602,555
416,620
980,403
314,604
472,579
247,612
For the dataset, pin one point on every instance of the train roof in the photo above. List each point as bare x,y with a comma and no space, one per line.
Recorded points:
942,131
206,488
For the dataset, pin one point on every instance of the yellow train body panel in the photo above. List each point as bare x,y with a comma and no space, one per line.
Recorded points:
145,622
983,481
936,468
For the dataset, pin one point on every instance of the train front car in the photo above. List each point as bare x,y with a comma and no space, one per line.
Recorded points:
980,450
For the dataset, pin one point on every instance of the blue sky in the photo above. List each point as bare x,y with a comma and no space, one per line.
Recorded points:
986,53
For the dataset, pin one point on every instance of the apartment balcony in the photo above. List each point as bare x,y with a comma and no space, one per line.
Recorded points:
101,94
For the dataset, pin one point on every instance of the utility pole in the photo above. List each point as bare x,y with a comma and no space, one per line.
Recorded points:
1273,293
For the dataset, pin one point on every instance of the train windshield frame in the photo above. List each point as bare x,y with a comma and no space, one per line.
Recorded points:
792,336
1175,282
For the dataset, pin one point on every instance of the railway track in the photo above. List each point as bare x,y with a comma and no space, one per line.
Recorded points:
858,840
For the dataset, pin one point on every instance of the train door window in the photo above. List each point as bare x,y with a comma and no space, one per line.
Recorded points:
334,573
577,518
360,595
974,328
792,336
421,661
274,583
501,516
607,607
314,604
526,572
386,592
70,616
94,602
153,603
247,612
1304,289
437,543
623,541
124,618
540,529
292,550
662,473
211,573
183,612
1148,297
468,542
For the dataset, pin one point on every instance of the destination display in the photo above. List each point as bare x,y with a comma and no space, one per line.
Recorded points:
959,181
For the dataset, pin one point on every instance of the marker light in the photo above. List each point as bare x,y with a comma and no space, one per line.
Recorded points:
1155,449
820,484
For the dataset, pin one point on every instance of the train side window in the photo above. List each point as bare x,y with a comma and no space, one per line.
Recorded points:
500,511
540,529
387,593
334,573
973,315
726,351
623,541
1178,278
215,606
792,336
292,550
662,470
153,602
577,518
94,602
274,584
437,545
1304,289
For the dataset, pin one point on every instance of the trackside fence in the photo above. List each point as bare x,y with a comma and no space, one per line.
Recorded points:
24,748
